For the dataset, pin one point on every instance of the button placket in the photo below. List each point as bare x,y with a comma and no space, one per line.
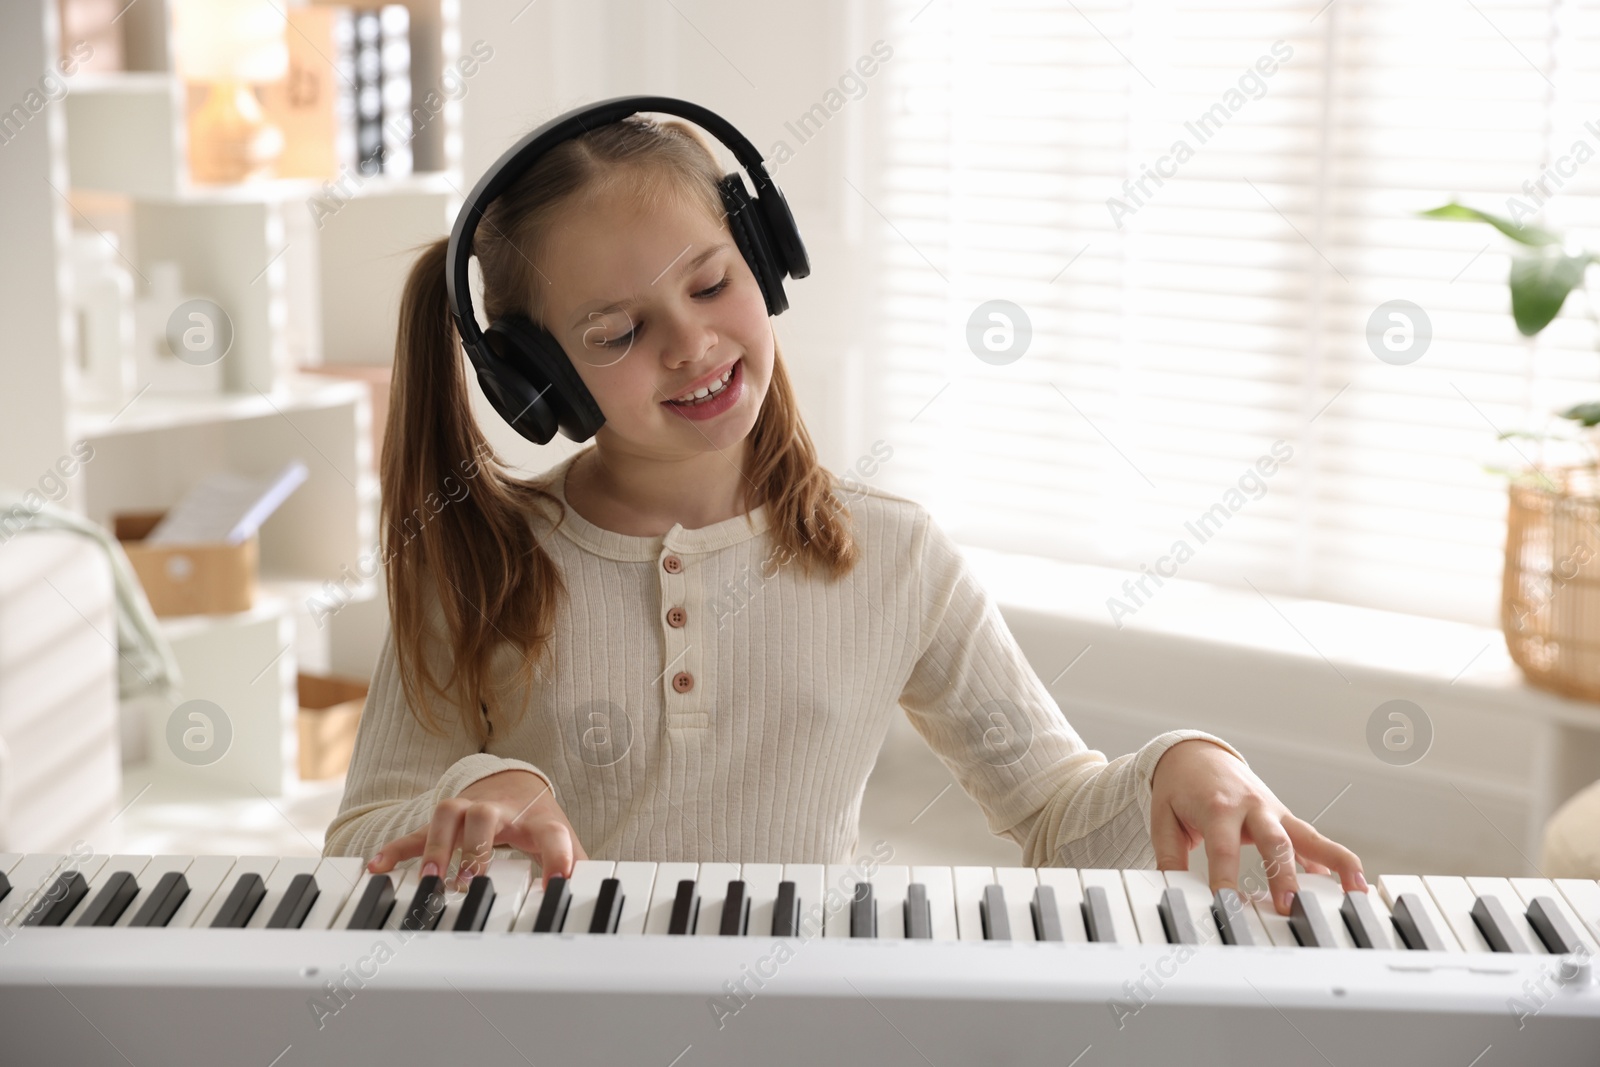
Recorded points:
678,677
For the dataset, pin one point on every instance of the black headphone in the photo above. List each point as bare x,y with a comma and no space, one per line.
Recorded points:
528,378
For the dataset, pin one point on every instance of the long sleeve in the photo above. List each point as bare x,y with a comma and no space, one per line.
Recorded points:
399,772
974,698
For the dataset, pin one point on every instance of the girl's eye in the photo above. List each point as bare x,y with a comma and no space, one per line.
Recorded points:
628,338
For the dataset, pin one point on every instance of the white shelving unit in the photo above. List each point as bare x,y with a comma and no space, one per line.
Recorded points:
303,288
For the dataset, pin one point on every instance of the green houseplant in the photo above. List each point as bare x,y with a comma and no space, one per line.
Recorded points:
1550,589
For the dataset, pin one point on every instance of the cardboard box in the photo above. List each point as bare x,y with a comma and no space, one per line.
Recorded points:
330,713
205,579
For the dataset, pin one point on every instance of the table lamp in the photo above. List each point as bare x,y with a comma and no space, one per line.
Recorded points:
228,46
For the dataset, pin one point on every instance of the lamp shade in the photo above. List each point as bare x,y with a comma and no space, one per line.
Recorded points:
230,40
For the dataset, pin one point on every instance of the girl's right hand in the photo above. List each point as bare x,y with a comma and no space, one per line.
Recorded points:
514,807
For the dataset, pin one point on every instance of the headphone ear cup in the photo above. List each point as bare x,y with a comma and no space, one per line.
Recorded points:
548,386
748,234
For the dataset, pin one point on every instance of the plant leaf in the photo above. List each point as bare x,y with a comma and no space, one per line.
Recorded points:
1528,235
1539,286
1584,414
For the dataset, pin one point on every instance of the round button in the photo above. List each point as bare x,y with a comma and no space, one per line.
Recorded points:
672,564
683,681
677,617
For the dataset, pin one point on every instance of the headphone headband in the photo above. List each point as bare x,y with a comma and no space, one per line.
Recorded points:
522,155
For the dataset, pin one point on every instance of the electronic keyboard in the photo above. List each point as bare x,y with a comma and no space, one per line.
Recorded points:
294,960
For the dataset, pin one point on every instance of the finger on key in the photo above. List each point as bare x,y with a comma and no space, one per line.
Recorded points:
399,850
443,832
1277,856
477,842
1222,852
1313,847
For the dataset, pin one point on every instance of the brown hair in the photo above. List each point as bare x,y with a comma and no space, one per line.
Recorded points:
494,584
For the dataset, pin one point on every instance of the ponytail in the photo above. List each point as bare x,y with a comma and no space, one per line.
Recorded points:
455,528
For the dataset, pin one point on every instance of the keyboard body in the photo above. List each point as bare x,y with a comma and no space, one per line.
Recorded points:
852,988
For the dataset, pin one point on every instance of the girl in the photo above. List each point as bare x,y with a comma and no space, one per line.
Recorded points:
683,642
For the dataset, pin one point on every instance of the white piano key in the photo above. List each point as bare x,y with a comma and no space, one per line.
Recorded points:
842,879
1018,884
509,873
1277,927
811,885
761,885
1144,894
88,865
8,861
1127,932
531,902
278,883
714,879
262,865
1329,895
1502,888
1527,889
889,896
337,878
1583,896
665,891
1069,900
158,866
1454,898
940,886
638,881
1391,886
405,889
970,883
205,875
585,883
1380,908
27,877
1197,895
134,865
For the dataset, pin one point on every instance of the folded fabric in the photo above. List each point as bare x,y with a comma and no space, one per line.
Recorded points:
145,664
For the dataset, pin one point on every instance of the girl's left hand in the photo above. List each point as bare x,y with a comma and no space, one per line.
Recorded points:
1200,791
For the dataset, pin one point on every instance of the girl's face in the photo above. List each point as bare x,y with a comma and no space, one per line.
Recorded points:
650,307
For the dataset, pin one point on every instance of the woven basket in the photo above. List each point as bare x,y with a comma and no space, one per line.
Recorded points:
1550,596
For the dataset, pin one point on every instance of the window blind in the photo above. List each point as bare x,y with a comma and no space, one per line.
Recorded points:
1183,325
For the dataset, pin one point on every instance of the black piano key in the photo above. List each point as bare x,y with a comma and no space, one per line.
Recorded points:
685,908
1046,918
1361,918
57,902
1227,908
427,904
5,885
553,909
786,912
919,915
607,907
992,908
1175,920
243,900
291,912
735,910
1097,914
1497,926
1550,923
1416,929
164,900
1308,922
474,911
112,900
377,900
863,912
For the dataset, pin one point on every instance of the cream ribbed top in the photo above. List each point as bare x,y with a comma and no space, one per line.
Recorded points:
746,733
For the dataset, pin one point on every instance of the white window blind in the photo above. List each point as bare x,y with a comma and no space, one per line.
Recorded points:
1229,309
